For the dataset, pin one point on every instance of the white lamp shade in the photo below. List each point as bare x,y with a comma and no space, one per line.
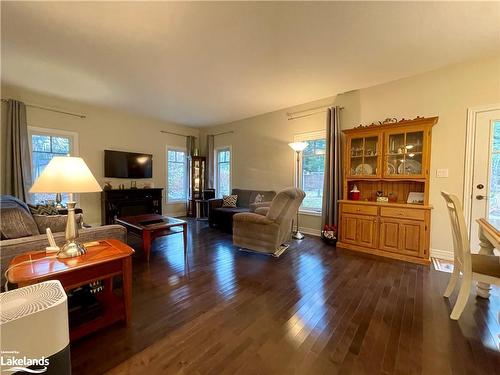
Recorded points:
298,146
66,174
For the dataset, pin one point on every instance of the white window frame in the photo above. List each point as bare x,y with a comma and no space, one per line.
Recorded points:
302,137
74,145
216,169
186,177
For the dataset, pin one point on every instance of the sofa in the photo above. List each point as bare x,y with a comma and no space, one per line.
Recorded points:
20,232
267,231
222,217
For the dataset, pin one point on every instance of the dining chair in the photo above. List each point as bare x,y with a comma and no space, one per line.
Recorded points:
479,267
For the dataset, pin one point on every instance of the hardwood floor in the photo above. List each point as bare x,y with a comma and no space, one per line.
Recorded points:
315,310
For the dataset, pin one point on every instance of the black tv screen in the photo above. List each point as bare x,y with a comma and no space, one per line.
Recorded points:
118,164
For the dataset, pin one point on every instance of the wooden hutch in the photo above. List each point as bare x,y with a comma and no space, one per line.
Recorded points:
389,159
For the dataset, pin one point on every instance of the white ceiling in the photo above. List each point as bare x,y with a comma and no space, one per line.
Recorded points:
209,63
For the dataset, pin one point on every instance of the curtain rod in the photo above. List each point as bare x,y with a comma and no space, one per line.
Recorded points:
50,109
173,133
228,132
292,117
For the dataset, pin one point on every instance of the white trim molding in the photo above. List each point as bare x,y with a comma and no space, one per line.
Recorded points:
310,231
470,135
441,254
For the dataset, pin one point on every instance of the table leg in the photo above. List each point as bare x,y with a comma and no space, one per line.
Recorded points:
486,248
184,235
127,288
146,243
197,210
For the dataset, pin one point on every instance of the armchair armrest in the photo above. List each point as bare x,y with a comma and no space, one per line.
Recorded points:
250,217
255,206
214,203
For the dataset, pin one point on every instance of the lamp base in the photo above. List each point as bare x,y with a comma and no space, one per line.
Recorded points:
71,249
297,235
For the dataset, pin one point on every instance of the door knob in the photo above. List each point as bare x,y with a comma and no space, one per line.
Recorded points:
480,186
480,197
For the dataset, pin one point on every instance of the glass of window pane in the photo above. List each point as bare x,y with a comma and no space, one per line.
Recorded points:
396,144
414,141
40,143
494,190
60,145
313,168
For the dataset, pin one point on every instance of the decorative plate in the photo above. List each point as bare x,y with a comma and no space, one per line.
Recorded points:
410,167
363,169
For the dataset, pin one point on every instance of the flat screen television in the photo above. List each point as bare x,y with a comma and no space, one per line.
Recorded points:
119,164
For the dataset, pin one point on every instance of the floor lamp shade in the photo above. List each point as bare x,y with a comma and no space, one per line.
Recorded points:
66,174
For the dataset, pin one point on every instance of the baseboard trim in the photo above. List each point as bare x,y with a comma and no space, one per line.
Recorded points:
310,231
441,254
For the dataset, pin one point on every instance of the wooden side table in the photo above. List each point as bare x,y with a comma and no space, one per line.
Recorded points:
103,261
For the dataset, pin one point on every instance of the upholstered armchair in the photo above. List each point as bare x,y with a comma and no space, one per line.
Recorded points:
267,229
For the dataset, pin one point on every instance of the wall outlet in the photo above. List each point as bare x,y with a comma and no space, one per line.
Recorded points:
441,173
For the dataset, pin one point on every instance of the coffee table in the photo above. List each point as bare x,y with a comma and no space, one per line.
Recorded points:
151,226
104,260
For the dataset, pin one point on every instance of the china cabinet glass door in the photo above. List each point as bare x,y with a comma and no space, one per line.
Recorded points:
404,154
364,156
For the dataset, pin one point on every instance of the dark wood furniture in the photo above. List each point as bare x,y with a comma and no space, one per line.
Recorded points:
103,261
128,202
196,182
151,226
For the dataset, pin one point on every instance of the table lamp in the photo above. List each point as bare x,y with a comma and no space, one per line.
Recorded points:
65,174
298,147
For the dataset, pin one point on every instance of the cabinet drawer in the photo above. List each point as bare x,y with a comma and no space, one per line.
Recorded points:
359,209
403,213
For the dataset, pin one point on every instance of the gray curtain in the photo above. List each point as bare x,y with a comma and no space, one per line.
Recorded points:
190,145
17,179
332,189
209,176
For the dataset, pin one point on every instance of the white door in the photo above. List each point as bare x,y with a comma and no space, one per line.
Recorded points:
485,190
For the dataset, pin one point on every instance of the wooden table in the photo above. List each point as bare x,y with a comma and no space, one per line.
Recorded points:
151,226
103,261
489,239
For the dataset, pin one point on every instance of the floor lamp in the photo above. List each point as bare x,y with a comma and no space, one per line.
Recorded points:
298,147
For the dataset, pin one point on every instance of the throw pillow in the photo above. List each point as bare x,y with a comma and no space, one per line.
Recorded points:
41,209
56,223
229,201
259,198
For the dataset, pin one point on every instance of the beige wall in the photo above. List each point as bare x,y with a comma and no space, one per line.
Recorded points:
262,158
105,129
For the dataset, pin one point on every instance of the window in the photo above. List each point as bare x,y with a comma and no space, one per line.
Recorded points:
223,171
312,167
176,175
44,145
